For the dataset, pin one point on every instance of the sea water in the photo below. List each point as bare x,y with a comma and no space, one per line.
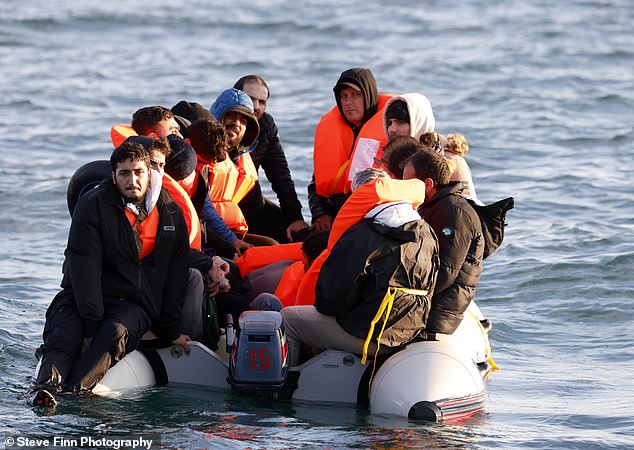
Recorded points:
543,90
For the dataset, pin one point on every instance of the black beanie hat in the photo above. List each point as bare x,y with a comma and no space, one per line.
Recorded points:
397,110
191,111
182,159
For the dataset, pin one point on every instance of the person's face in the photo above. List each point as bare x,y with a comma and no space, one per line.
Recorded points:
157,161
259,94
352,105
235,125
164,128
396,127
132,179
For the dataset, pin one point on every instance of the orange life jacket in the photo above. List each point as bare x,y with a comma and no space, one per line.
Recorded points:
361,201
338,155
192,220
288,286
147,230
228,184
256,257
120,133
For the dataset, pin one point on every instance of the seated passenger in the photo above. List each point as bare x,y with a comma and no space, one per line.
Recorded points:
365,197
390,257
348,138
234,110
102,311
408,115
152,121
453,147
264,216
227,182
158,122
396,153
460,239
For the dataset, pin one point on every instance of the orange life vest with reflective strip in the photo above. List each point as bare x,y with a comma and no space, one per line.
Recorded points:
257,257
337,152
353,210
228,184
288,286
182,199
120,133
147,230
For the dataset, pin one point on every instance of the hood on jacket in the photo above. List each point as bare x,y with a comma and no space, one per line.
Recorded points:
421,116
237,100
363,79
393,214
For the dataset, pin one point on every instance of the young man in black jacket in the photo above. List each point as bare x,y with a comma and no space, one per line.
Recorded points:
460,239
125,272
263,216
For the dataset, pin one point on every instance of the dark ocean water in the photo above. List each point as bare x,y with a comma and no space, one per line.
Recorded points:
544,91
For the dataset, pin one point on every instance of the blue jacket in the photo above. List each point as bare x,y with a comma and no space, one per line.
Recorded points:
237,100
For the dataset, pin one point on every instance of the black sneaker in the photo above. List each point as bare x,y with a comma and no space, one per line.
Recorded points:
43,398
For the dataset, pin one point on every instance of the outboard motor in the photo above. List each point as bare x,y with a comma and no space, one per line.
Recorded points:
258,363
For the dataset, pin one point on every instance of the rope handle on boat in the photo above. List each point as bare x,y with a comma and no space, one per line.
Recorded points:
487,345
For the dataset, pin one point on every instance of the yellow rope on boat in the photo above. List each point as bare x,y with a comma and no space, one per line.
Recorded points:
384,311
487,345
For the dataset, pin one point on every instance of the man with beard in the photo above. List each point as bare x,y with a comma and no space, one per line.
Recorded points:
125,273
263,216
233,108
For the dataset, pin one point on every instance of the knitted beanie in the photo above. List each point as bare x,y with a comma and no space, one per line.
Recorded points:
397,110
182,160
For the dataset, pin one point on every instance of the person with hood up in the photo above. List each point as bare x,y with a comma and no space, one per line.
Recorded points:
348,138
408,115
234,110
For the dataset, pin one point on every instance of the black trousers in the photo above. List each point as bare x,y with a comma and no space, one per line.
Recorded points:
63,365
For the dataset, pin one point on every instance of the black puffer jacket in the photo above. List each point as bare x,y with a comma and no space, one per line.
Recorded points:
102,263
269,155
459,233
365,261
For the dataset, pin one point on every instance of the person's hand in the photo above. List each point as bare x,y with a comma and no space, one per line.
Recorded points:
182,342
224,285
295,227
214,287
221,265
323,223
240,246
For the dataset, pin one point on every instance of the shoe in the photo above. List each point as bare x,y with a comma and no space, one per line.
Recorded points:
43,398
